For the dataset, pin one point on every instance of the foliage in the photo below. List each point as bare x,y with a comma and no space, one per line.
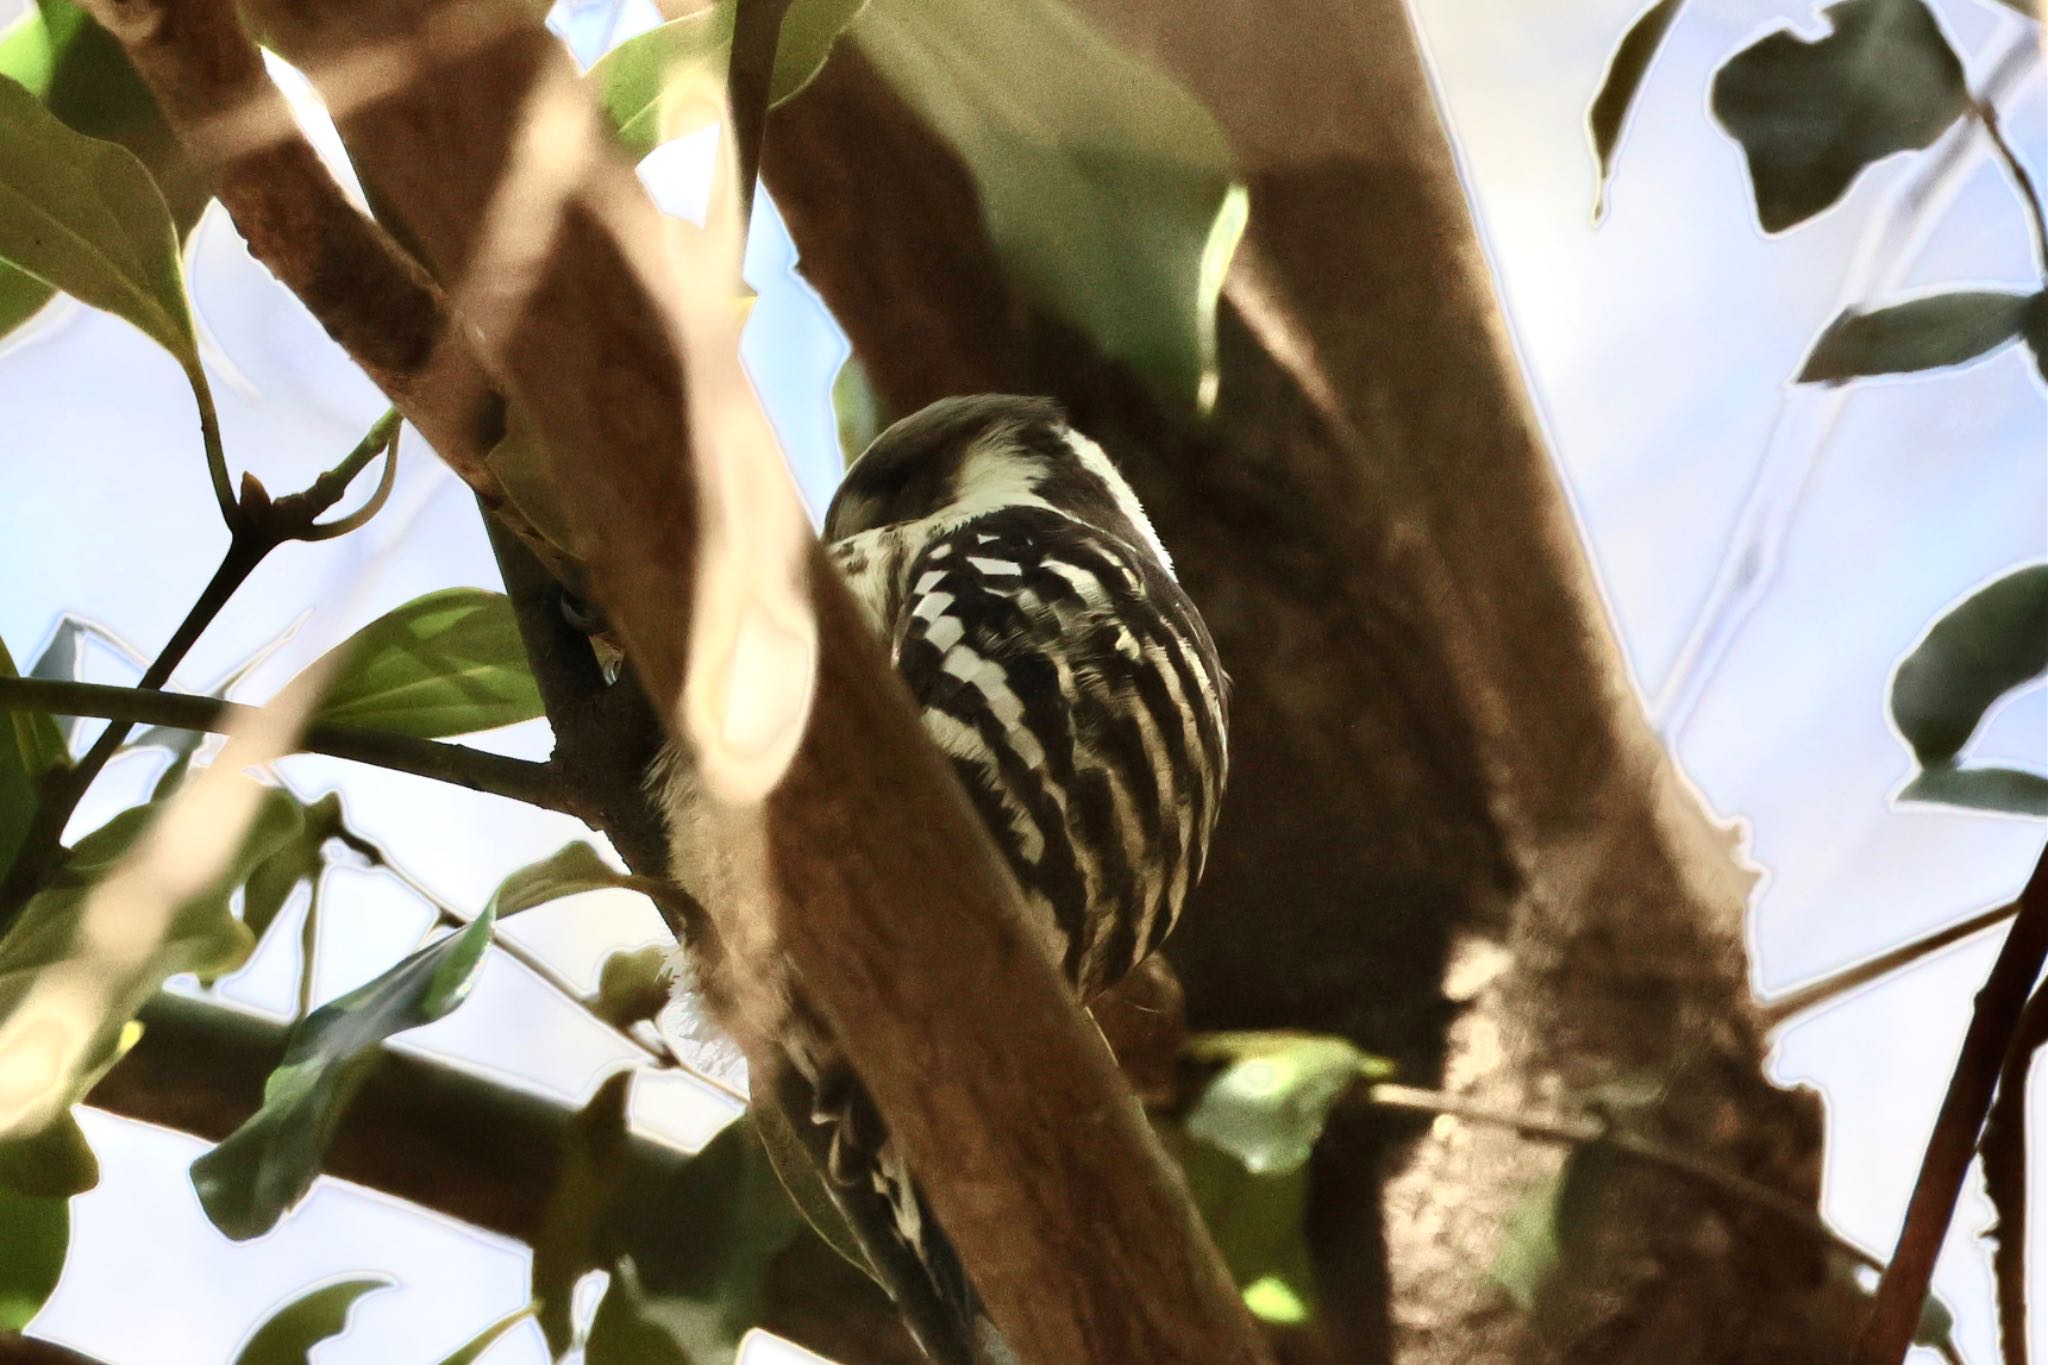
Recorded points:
288,1336
448,663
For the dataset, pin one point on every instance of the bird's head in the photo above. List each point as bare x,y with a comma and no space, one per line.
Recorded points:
962,457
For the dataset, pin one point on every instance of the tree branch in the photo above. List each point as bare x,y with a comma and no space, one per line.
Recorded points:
518,779
1889,1334
1034,1155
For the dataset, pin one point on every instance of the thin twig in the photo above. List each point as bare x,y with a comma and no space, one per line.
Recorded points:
1903,1287
1780,1008
519,779
545,972
2004,1151
2022,183
309,946
1588,1132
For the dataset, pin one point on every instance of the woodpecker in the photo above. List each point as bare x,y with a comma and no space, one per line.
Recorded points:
1034,616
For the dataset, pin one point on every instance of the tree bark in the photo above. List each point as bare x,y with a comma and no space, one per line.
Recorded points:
1435,744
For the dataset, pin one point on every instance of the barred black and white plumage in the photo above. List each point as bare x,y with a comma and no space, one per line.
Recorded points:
1035,618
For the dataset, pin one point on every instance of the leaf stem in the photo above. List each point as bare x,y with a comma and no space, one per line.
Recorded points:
2022,182
518,779
216,452
309,946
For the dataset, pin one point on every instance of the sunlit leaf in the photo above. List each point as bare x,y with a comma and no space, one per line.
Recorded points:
35,1233
84,216
1923,334
448,663
1108,190
1812,115
70,986
83,76
1268,1105
1256,1221
637,81
2009,791
289,1335
1608,116
264,1167
628,1329
570,870
1993,641
635,984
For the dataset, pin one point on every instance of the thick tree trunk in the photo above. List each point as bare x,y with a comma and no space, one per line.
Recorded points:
1444,783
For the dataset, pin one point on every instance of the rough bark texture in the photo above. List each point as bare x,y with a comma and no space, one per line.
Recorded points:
1435,742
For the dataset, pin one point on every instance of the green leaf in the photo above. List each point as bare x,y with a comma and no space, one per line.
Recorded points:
290,1334
1810,116
635,984
469,1351
1108,190
1257,1223
1923,334
82,75
802,1182
1993,641
71,981
637,83
57,1162
1549,1231
35,1233
2035,331
589,1175
573,868
857,408
1268,1105
30,745
701,1291
299,859
1626,69
84,216
448,663
2009,791
264,1167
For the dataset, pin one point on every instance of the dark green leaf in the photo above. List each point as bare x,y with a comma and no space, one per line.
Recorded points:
2007,790
2035,331
85,216
29,745
34,1235
635,984
76,968
857,407
448,663
1625,71
589,1173
1924,334
1268,1104
469,1351
1109,191
637,83
59,662
1811,115
290,1334
264,1167
57,1162
628,1329
570,870
300,859
703,1288
803,1183
1993,641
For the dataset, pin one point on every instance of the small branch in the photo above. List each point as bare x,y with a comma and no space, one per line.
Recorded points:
1586,1132
518,779
1889,1333
1780,1008
2004,1151
2022,183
